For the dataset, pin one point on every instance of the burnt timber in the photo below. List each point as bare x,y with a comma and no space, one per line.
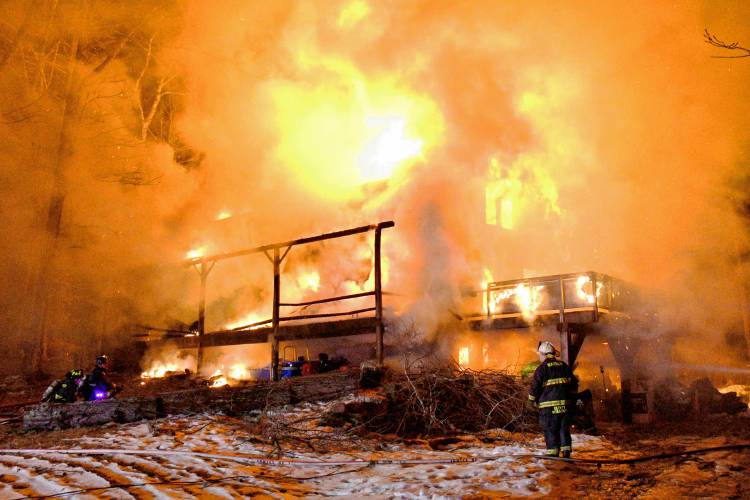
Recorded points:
572,302
318,330
258,333
229,400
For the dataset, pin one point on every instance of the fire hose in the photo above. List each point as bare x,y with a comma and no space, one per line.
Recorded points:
254,460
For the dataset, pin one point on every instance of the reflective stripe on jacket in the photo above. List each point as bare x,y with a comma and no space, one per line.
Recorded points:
553,386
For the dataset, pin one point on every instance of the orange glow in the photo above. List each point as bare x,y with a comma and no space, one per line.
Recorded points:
195,253
485,283
309,281
219,381
526,298
247,319
511,190
463,357
345,128
584,289
239,372
354,12
158,370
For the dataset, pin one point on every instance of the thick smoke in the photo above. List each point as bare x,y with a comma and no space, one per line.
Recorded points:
589,135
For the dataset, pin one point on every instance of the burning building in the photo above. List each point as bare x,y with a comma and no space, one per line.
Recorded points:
521,140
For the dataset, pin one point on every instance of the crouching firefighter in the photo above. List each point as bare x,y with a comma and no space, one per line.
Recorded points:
64,390
97,384
553,390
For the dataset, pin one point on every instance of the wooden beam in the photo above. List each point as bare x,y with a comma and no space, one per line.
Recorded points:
204,269
321,330
572,336
301,241
378,300
323,301
274,338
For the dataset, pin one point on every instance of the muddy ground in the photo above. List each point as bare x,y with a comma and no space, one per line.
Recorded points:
714,475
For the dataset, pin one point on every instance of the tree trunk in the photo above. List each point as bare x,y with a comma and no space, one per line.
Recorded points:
54,213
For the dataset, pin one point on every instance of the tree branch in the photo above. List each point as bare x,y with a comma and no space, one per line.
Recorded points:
735,46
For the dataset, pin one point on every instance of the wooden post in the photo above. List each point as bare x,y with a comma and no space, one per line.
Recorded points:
203,270
562,301
378,300
565,346
274,338
596,298
745,316
624,350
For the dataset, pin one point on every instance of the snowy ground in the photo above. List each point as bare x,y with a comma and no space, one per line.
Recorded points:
223,457
497,471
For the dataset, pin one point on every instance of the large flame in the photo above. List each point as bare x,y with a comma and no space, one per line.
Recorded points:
526,298
239,371
584,289
246,319
361,127
158,370
463,357
218,379
309,281
487,305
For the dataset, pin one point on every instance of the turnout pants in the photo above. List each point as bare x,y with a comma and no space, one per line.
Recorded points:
555,423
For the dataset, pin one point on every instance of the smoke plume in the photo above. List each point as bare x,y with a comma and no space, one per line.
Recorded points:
523,139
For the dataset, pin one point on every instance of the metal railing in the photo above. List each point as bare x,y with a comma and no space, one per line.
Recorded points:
558,294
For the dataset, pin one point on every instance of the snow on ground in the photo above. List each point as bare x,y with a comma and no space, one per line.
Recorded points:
500,470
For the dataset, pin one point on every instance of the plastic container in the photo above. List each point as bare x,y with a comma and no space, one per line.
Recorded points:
291,369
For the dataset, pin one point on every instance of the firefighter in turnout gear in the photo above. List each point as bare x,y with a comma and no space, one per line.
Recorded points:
97,384
553,391
64,390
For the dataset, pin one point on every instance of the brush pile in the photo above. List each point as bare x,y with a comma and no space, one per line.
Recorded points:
442,401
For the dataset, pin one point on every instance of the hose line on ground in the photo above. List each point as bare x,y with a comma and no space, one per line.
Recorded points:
255,460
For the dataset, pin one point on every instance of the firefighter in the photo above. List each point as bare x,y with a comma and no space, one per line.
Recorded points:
97,384
553,391
64,390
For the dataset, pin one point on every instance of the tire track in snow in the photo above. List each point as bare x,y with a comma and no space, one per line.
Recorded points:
73,466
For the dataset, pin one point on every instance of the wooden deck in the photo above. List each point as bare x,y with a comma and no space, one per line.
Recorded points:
318,330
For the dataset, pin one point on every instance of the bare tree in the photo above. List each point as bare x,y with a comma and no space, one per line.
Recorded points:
738,50
148,109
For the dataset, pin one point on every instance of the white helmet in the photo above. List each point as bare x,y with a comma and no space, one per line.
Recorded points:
545,348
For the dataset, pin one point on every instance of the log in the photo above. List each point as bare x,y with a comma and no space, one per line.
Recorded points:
49,416
227,400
